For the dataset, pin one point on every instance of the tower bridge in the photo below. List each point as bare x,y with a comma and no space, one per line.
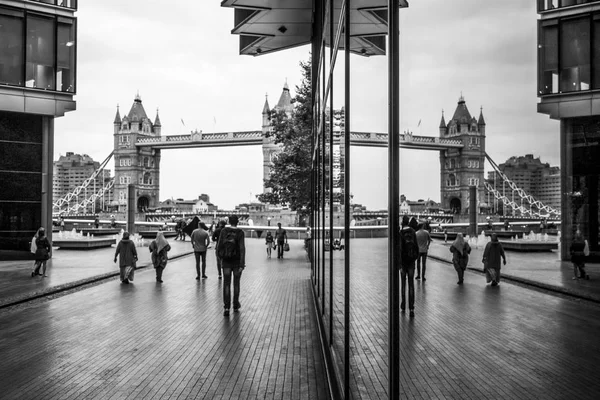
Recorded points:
138,143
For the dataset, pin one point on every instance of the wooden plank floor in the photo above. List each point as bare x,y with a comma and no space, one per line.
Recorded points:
151,341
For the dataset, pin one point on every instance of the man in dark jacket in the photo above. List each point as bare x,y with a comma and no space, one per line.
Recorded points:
408,238
232,250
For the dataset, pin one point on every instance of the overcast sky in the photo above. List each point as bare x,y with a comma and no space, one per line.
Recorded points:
182,59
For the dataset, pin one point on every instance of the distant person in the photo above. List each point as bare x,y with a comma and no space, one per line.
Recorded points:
179,228
578,256
490,225
281,237
62,223
409,252
127,258
491,260
159,248
270,242
413,223
215,239
113,221
232,250
43,252
200,241
460,256
308,238
506,225
97,222
423,241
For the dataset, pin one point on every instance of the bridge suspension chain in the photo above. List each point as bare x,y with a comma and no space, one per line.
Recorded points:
58,205
92,199
541,207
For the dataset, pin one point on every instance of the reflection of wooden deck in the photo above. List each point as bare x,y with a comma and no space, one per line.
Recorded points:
529,246
152,234
83,243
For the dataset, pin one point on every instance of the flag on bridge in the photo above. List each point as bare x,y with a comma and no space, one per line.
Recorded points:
183,123
419,124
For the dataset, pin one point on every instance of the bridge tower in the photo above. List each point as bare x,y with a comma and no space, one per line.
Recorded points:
139,166
269,147
461,168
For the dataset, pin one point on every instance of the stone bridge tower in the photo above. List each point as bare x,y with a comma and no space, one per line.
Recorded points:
269,147
139,166
461,168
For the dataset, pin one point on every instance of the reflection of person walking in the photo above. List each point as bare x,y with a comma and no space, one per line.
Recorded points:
578,255
200,241
159,248
409,252
281,236
491,260
423,240
42,253
269,241
215,239
127,258
232,250
460,256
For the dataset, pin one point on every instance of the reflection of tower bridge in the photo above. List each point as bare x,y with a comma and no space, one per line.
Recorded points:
461,143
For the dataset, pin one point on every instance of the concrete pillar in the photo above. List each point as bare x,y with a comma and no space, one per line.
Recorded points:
131,209
47,172
473,211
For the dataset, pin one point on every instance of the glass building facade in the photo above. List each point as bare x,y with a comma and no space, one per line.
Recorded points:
342,33
37,84
568,86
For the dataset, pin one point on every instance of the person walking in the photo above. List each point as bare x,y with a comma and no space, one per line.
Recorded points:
281,236
159,248
42,253
491,260
200,241
215,239
127,258
269,241
232,250
578,250
409,252
423,241
460,256
96,222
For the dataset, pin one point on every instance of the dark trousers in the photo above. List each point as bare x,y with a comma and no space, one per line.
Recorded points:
460,272
407,272
219,263
423,257
280,249
200,255
236,271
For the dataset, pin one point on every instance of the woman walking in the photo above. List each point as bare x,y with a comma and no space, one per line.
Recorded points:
491,260
42,252
578,256
127,258
270,242
159,249
460,256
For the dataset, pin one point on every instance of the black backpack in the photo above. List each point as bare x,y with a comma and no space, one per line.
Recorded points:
229,250
410,249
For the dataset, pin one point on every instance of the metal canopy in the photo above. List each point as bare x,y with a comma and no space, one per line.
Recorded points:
266,26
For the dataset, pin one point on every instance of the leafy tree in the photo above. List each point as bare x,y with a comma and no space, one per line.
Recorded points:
291,169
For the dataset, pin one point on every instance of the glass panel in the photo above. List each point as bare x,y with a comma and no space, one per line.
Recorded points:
21,186
40,58
18,223
65,74
548,59
20,127
596,54
575,55
11,50
20,157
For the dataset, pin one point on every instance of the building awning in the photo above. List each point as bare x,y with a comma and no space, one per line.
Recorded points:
266,26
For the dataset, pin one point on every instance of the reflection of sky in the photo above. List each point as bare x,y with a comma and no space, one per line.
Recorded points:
184,60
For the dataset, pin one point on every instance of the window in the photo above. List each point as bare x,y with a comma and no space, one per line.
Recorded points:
452,163
125,162
124,139
65,54
548,58
39,68
125,180
473,182
146,162
452,180
474,141
11,48
122,195
575,55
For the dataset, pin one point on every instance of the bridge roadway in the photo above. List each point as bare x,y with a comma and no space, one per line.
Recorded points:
170,341
247,138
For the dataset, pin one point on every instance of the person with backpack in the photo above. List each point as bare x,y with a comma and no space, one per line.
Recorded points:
231,249
215,239
281,236
460,256
409,252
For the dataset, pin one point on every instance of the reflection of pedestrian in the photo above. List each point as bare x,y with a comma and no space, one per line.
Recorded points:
407,266
578,255
491,260
62,223
200,242
97,222
232,250
270,242
159,248
460,256
127,258
423,240
215,239
113,221
281,236
42,253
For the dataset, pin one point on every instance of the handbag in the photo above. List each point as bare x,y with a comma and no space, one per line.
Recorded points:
33,247
586,249
286,247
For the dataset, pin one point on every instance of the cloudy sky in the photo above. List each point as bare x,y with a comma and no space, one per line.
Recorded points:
183,60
